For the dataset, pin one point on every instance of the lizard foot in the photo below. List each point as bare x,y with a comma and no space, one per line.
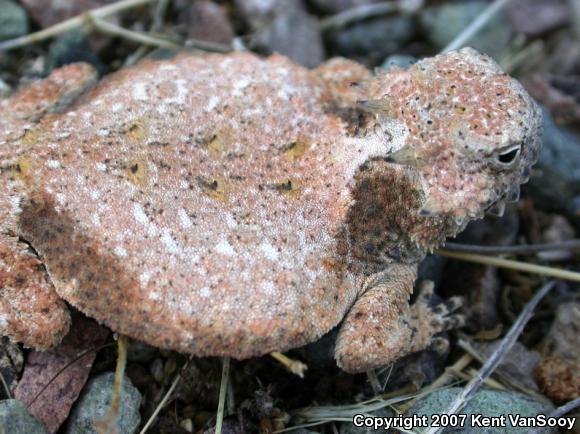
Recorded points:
381,327
430,317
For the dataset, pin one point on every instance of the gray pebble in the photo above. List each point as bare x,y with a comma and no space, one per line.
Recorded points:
401,60
94,404
487,403
293,33
555,184
13,20
15,419
443,23
378,38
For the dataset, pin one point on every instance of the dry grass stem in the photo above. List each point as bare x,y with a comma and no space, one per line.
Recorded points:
358,13
222,398
512,265
198,44
71,24
294,366
476,25
5,386
157,25
489,382
523,249
109,424
138,37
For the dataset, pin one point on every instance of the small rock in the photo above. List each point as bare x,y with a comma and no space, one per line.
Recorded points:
47,13
209,22
401,60
295,34
72,47
11,362
5,89
556,178
534,17
13,20
485,402
519,363
259,12
443,23
141,352
559,378
377,38
563,338
15,419
95,402
556,230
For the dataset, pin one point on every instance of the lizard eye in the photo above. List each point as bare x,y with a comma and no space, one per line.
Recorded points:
508,156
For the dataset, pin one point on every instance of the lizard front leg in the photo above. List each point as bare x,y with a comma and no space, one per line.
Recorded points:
381,327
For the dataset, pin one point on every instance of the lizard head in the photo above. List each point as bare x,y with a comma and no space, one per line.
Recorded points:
469,130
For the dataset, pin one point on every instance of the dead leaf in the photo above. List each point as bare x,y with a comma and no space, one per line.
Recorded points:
53,405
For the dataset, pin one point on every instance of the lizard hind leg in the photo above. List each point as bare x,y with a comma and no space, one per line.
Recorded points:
381,327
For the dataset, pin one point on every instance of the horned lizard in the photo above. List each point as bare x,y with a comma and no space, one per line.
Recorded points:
232,205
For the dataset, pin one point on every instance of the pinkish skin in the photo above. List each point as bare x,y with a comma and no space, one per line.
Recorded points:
234,206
